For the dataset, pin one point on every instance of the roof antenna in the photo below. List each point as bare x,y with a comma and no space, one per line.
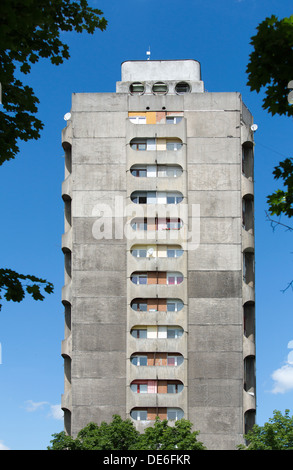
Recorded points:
148,53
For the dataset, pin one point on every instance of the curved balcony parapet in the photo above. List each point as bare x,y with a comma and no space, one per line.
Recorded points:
248,347
248,241
249,401
66,401
67,188
66,347
67,241
66,294
247,186
248,293
67,136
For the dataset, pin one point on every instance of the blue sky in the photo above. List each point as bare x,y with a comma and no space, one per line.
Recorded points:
217,34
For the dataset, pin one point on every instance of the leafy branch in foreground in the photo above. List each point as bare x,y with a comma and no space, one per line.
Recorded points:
16,285
30,30
270,63
122,435
276,434
281,201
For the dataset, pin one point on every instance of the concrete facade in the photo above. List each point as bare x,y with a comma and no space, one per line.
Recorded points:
159,255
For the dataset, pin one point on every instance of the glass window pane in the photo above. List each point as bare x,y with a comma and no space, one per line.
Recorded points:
134,360
142,307
142,279
170,199
171,333
143,415
169,119
143,388
143,361
171,415
171,253
171,306
171,388
179,360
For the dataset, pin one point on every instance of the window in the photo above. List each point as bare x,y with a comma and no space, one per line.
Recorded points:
160,88
137,119
173,119
169,171
139,361
174,198
139,306
174,253
182,87
153,171
139,198
174,332
160,332
156,144
174,305
156,197
174,388
139,278
139,172
139,333
139,415
137,144
139,387
170,145
139,224
136,88
173,414
139,253
174,360
174,278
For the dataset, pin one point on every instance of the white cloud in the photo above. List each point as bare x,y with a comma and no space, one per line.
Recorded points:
3,446
34,406
283,377
55,411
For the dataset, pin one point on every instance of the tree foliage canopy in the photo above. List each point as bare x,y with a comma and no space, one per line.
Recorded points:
122,435
29,31
281,201
270,69
270,63
15,286
277,434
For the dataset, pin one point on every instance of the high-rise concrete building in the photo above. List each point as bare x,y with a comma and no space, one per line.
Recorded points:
159,254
